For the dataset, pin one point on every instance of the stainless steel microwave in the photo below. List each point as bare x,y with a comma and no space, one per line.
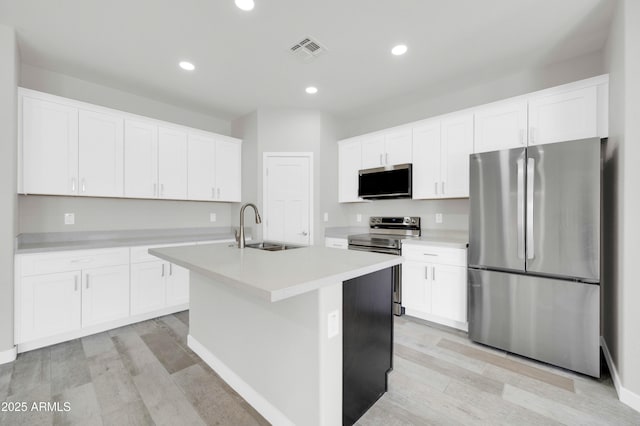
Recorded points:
385,182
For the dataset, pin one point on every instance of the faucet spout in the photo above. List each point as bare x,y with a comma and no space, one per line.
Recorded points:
240,236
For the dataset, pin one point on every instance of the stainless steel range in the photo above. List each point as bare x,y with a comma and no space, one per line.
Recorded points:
385,236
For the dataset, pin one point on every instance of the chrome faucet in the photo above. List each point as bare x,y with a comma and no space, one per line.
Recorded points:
240,236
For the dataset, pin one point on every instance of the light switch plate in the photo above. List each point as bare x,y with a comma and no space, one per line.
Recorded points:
358,217
69,218
212,217
438,217
333,324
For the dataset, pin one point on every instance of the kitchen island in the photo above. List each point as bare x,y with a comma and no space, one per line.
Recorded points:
271,324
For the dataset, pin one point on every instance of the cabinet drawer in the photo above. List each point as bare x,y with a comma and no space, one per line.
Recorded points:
36,264
141,253
340,243
435,254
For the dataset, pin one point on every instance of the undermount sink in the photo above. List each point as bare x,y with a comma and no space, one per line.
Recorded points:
272,246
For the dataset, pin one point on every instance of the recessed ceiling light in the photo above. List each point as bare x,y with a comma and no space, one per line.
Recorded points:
245,4
400,49
187,66
311,90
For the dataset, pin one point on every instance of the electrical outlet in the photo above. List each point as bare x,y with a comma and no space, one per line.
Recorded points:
69,218
212,217
358,217
333,324
326,217
438,217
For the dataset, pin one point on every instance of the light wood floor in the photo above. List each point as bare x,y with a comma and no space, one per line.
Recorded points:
145,374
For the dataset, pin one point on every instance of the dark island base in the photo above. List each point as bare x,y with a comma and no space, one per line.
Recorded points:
367,304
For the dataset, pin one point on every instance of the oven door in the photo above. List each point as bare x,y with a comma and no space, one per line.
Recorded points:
398,310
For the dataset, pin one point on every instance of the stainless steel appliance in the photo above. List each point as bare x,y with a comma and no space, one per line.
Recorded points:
385,182
385,236
534,252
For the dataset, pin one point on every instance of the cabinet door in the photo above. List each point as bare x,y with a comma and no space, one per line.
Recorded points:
50,148
50,304
373,151
148,287
228,170
397,146
449,286
105,294
426,160
564,116
172,163
416,286
349,163
101,154
202,163
500,126
140,159
177,285
456,145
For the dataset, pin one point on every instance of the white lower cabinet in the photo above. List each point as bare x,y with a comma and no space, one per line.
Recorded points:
177,285
105,294
148,292
434,284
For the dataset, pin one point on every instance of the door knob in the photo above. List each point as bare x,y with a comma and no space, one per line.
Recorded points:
304,233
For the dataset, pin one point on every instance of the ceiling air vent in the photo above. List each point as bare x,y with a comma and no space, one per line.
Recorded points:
307,49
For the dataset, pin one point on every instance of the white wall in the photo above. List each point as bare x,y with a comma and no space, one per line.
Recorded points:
9,70
45,214
621,286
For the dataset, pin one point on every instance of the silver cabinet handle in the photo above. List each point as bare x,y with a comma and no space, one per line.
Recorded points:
162,275
522,133
84,188
532,135
304,233
161,189
381,163
433,273
386,158
213,192
442,188
426,272
218,193
155,189
171,269
531,169
75,283
73,184
87,281
520,209
435,185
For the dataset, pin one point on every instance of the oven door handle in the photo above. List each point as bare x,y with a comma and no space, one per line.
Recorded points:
395,252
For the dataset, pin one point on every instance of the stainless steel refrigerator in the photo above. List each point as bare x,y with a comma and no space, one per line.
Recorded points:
534,252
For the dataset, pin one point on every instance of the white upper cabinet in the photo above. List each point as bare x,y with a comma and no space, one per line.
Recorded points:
349,163
228,169
373,151
101,154
140,159
456,146
387,149
202,173
49,148
172,163
501,125
564,116
426,159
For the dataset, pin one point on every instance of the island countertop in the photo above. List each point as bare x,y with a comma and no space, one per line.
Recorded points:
276,275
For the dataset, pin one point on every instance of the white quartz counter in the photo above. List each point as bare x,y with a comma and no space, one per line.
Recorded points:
276,275
451,239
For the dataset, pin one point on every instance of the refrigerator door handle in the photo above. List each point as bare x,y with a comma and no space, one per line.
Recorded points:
531,166
520,208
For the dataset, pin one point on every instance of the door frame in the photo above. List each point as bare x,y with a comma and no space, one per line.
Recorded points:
265,198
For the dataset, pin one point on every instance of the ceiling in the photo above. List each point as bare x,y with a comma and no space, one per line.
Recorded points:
243,60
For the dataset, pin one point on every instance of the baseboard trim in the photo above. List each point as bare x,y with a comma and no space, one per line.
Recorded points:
257,401
624,395
9,355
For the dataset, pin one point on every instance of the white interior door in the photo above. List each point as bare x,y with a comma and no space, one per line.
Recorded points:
287,199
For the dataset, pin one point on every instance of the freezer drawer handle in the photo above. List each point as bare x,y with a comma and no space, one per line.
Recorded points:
520,208
531,166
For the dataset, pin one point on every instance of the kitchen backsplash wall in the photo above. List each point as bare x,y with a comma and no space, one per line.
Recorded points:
455,212
40,213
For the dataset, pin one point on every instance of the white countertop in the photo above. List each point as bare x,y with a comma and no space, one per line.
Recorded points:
276,275
451,239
